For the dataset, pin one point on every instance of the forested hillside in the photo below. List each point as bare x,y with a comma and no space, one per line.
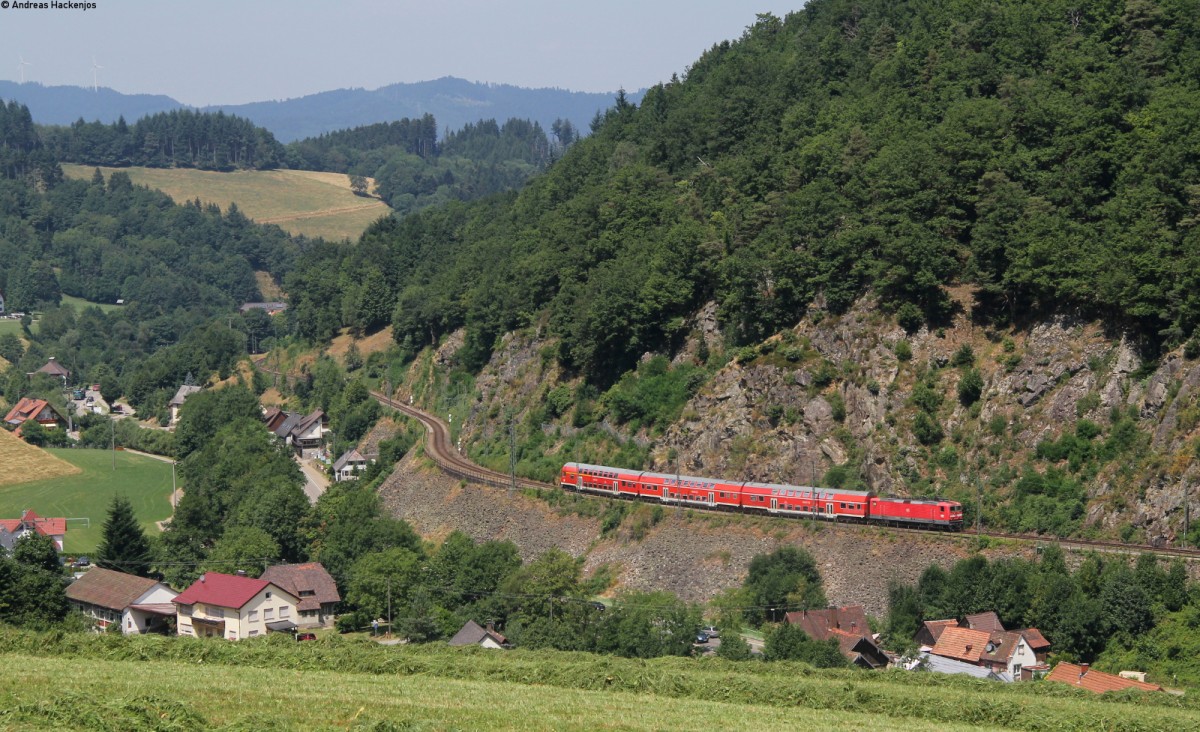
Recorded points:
174,267
413,170
180,138
1043,153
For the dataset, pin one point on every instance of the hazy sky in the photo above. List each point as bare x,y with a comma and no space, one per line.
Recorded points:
234,51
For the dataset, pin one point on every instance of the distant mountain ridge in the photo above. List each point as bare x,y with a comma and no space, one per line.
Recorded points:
453,102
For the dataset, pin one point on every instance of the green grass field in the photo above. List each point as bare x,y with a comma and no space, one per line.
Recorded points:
300,202
61,680
79,304
145,481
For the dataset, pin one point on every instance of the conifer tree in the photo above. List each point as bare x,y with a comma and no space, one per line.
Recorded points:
124,546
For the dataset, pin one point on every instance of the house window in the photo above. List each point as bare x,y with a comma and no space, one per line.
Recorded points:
268,594
253,633
252,616
283,611
185,610
268,614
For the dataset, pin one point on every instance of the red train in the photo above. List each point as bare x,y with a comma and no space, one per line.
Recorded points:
768,498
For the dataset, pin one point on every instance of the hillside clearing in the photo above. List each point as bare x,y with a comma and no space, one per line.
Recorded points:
300,202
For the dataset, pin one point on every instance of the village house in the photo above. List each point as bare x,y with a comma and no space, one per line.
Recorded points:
313,587
39,410
305,434
137,604
472,634
54,368
931,630
349,465
1098,682
180,397
234,607
31,523
1005,652
849,626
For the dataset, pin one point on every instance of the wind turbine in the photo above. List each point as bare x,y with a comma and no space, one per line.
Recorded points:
21,67
95,67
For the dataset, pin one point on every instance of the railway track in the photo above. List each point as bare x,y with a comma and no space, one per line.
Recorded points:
440,449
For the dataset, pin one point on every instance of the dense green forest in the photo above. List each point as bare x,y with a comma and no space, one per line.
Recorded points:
414,171
1043,152
179,139
179,269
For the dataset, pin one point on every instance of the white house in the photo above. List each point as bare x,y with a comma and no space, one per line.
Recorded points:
349,465
234,607
139,604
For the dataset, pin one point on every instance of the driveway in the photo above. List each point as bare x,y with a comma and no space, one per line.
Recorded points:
315,480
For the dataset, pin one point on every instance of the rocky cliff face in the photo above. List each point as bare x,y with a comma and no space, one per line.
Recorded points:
837,392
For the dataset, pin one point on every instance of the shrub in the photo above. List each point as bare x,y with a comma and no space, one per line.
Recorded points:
926,429
970,387
838,405
964,356
910,317
903,351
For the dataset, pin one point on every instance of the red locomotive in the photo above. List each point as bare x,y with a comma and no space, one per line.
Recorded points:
768,498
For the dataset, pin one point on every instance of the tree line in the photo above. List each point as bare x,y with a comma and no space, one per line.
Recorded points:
176,139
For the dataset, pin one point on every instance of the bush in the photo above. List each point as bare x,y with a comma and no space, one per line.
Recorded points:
838,405
964,356
926,429
1192,349
970,387
910,317
903,351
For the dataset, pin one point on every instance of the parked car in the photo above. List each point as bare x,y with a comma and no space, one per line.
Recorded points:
77,394
711,631
305,637
82,562
701,637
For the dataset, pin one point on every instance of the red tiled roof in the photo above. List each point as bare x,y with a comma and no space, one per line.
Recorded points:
298,579
106,588
988,621
222,590
962,644
935,627
1035,639
26,408
1002,646
30,520
819,624
1095,681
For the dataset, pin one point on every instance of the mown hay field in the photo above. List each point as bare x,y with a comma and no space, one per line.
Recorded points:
21,462
88,492
298,201
274,682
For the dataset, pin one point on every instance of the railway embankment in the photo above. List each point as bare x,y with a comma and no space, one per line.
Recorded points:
691,553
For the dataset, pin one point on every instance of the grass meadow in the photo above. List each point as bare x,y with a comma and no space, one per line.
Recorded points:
298,201
145,481
62,680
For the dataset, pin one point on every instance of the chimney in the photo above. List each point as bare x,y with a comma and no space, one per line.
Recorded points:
1083,669
241,573
201,578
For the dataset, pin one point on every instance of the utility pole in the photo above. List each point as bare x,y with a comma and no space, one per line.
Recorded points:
978,506
112,434
174,490
389,585
512,455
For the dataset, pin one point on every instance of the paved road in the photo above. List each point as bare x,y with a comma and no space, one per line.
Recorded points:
315,480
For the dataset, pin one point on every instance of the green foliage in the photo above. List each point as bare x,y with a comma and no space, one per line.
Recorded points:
32,593
838,406
734,647
964,356
903,351
648,625
787,579
970,387
247,549
926,429
787,642
653,395
124,546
